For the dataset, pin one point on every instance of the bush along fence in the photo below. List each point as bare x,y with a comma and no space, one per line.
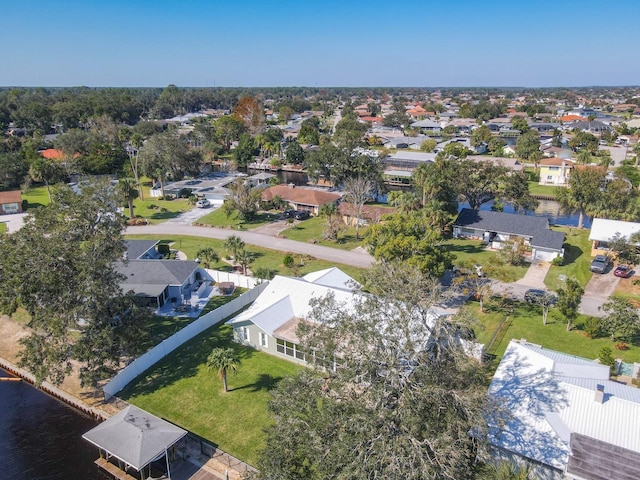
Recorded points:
146,361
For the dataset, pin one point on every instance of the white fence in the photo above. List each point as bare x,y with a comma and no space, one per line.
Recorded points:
168,345
239,280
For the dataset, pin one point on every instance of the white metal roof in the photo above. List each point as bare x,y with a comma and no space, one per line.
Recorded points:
603,229
551,395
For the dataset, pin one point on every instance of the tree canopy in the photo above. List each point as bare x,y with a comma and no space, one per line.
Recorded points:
402,403
61,268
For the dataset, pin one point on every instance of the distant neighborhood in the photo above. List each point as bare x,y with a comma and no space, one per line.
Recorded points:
357,249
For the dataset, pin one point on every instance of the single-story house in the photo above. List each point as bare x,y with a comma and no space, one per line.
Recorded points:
555,171
427,127
567,419
301,198
270,323
261,179
603,230
370,213
413,143
494,228
10,202
156,282
511,163
410,160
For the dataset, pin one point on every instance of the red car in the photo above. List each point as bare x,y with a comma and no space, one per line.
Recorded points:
623,271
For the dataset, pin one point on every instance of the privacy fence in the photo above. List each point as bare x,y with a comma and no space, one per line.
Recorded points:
157,353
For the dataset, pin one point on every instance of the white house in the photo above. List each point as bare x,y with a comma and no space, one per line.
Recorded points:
603,230
270,323
567,418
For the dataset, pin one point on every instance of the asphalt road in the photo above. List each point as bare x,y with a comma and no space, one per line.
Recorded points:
355,258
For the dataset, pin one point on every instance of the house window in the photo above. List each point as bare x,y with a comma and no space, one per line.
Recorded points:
244,334
289,349
263,340
549,178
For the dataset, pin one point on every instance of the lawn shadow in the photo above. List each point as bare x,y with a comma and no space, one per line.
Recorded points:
164,215
264,382
571,253
462,248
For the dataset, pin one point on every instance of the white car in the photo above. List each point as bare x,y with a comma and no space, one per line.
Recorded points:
204,203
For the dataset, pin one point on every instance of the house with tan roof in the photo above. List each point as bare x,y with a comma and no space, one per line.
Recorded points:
10,202
300,198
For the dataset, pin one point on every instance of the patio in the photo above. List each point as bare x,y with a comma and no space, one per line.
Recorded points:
193,306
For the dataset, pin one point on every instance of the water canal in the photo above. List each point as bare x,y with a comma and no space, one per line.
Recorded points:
41,437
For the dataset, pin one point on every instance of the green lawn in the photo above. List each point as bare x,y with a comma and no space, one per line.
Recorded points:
217,218
473,251
3,227
526,322
36,197
161,327
577,259
312,228
157,211
265,258
182,390
547,190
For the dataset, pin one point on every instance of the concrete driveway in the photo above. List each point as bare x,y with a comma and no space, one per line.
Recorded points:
597,292
14,221
534,278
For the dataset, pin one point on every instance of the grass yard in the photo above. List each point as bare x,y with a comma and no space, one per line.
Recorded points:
182,390
526,322
217,218
312,228
265,258
3,227
36,197
473,251
547,190
577,259
157,211
161,327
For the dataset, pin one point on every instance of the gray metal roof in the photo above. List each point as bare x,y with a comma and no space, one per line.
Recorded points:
134,436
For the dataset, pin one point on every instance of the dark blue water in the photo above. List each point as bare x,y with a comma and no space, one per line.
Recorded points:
546,208
41,437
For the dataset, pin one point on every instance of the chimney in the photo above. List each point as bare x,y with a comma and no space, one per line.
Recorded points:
599,394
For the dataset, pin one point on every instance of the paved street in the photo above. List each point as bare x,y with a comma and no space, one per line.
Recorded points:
355,258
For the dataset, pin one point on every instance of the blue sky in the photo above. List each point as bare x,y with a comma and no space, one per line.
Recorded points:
319,43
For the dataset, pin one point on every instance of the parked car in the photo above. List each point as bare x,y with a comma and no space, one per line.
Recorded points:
301,215
204,203
288,213
623,271
599,264
463,271
535,295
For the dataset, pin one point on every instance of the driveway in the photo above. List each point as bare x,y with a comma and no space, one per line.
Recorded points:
534,278
14,221
597,292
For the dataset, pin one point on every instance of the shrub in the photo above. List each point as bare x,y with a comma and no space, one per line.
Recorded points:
622,346
557,261
606,357
592,327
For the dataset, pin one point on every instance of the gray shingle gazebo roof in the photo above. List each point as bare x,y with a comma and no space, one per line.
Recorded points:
134,436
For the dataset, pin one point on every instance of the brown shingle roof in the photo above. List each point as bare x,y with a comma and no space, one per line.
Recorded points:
12,196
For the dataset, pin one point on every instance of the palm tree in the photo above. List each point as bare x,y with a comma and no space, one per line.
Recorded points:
244,258
234,244
222,359
208,254
127,190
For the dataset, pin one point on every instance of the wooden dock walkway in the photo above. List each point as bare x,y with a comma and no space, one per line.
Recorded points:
184,470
